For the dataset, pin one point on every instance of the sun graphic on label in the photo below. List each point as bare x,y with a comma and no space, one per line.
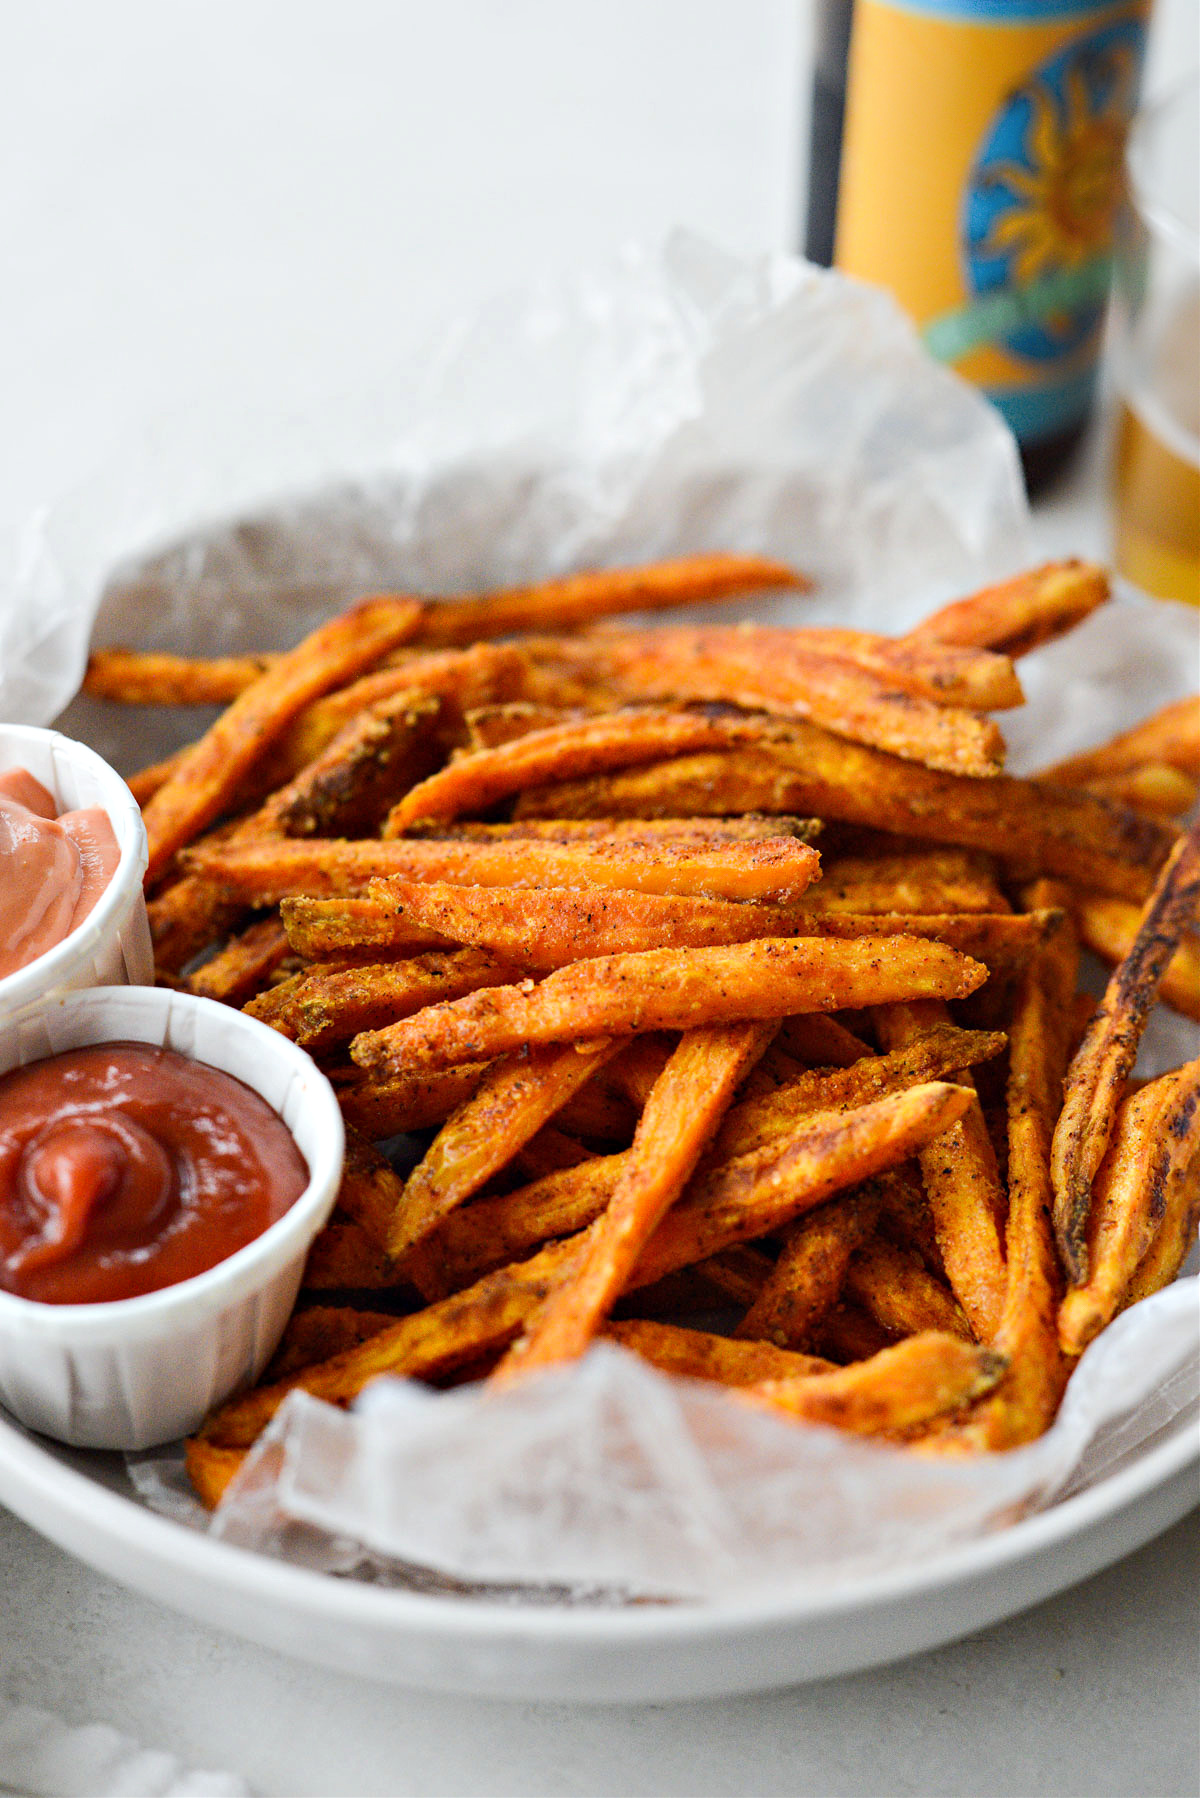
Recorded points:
1046,186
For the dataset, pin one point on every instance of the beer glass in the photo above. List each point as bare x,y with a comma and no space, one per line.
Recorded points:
1156,466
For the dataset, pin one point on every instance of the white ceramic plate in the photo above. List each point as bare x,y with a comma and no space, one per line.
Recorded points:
640,1654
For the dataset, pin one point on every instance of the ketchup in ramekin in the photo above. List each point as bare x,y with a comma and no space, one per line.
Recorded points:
125,1168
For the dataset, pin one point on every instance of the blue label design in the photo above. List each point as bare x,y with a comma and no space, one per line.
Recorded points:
1043,193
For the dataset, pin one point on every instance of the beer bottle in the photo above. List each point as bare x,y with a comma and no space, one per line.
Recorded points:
968,155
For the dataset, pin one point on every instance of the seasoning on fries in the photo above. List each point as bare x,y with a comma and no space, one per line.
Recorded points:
727,973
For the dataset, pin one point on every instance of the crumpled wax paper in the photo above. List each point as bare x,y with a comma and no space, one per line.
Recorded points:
680,401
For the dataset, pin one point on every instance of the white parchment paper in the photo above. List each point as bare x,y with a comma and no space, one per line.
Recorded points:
680,401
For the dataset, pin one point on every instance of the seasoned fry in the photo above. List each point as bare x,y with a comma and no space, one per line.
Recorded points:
1017,615
894,1288
699,1355
666,989
1033,827
345,1257
586,746
328,1005
212,768
1109,1049
1157,788
821,1041
330,929
319,1331
685,1105
806,1281
370,1189
963,1186
390,1107
1155,1146
877,698
514,1099
149,677
1109,928
247,961
1171,735
263,873
923,1377
575,599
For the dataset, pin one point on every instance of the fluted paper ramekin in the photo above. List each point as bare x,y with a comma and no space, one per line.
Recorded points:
130,1373
112,945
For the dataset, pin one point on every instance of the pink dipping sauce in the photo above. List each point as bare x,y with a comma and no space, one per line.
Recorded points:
52,869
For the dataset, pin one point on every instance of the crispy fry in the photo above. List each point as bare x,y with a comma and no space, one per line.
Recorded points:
146,782
1109,1049
319,1331
1157,788
930,880
868,697
699,1355
1155,1146
210,1468
345,1257
748,828
328,1005
390,1107
1033,827
148,677
806,1281
212,768
563,752
331,929
821,1041
1017,615
1173,1241
670,990
1171,735
963,1186
370,1189
246,962
513,1101
891,1284
1109,928
925,1376
263,873
574,599
685,1105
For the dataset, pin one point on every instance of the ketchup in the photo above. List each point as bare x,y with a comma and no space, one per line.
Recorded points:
125,1168
52,869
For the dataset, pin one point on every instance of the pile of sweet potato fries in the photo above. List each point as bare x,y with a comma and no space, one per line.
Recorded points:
728,975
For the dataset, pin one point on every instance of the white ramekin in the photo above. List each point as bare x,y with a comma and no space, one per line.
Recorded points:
134,1372
112,945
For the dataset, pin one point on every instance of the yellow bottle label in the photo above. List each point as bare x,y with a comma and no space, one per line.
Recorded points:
980,182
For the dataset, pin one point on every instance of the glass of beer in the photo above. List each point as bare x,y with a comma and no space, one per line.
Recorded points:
1157,346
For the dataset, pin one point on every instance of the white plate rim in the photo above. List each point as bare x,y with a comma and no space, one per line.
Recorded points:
32,1471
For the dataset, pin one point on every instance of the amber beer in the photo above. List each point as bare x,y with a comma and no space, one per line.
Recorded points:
1156,469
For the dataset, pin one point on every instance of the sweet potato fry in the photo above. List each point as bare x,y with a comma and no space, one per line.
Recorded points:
149,677
1173,1242
1155,1146
513,1101
391,1107
1171,735
938,1052
1109,929
345,1257
146,782
320,1331
263,873
894,1288
748,828
1109,1049
1017,615
963,1186
244,965
221,758
821,1041
1157,788
736,1273
370,1190
685,1105
586,746
806,1281
932,880
569,600
925,1376
328,1005
349,927
798,674
667,989
699,1355
210,1468
1031,826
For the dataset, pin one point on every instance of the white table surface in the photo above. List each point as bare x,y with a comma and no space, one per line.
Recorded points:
239,202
